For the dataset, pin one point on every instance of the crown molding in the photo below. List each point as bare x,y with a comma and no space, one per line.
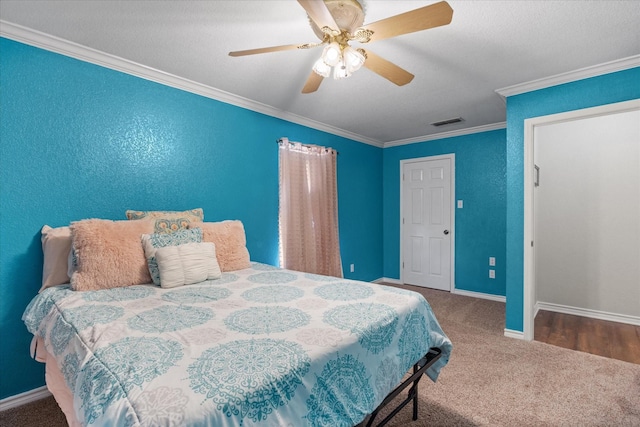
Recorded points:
571,76
450,134
74,50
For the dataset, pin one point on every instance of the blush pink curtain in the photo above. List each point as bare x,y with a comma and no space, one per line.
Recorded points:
308,219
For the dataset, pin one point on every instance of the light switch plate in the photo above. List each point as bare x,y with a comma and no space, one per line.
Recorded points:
492,261
492,274
460,204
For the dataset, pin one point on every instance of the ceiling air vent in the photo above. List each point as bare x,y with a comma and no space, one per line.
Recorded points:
448,122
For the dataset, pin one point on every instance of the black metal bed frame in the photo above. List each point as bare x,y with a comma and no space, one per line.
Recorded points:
419,369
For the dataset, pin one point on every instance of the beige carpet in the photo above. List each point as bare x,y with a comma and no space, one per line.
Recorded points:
491,380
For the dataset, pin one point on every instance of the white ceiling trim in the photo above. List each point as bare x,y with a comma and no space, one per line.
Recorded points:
58,45
87,54
450,134
571,76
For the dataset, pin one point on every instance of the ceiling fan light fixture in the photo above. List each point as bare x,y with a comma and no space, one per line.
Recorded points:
321,68
332,54
341,71
353,59
339,22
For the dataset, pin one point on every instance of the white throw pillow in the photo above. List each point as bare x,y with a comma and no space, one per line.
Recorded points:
186,264
151,242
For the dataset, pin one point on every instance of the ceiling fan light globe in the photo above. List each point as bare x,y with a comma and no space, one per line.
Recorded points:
353,59
321,68
341,71
332,54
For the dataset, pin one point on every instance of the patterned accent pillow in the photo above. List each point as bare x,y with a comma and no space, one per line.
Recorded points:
151,243
169,221
186,264
72,261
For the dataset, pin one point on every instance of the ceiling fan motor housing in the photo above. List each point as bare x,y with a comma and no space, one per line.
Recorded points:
348,14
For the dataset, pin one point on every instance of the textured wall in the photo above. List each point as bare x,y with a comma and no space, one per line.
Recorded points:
480,225
605,89
82,141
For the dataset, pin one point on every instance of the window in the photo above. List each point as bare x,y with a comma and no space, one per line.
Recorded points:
308,218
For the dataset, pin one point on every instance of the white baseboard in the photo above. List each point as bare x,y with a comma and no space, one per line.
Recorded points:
388,280
536,309
585,312
510,333
24,398
482,295
472,294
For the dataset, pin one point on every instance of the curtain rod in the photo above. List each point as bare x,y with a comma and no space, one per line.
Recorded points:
285,140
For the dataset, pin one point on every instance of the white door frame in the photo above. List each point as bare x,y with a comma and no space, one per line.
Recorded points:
452,158
529,279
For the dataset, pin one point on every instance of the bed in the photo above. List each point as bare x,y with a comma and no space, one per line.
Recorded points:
258,346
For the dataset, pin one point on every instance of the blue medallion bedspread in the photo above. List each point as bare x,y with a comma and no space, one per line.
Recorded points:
261,346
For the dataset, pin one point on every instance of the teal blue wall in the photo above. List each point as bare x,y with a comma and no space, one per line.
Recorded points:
601,90
480,162
81,141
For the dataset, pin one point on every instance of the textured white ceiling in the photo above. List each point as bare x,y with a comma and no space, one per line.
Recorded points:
489,45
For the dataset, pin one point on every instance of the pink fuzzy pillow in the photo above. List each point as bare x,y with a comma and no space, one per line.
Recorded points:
230,242
109,253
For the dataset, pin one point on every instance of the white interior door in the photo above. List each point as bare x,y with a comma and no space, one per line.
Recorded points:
426,235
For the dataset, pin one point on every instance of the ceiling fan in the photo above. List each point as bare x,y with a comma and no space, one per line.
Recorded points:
338,22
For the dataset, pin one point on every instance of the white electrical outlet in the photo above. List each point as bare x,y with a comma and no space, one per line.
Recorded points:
492,274
492,261
352,268
460,204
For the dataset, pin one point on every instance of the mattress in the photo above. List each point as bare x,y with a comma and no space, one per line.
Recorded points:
261,346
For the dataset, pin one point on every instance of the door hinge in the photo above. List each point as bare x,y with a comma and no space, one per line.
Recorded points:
403,264
403,220
532,243
403,177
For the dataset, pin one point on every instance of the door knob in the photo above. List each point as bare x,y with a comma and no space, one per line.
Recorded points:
446,232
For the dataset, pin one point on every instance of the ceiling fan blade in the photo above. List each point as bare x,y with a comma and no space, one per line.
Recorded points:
431,16
386,69
319,14
267,49
313,83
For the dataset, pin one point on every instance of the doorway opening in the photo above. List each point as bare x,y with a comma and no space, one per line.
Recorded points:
531,177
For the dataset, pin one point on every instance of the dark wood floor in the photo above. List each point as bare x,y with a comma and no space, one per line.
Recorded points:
609,339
